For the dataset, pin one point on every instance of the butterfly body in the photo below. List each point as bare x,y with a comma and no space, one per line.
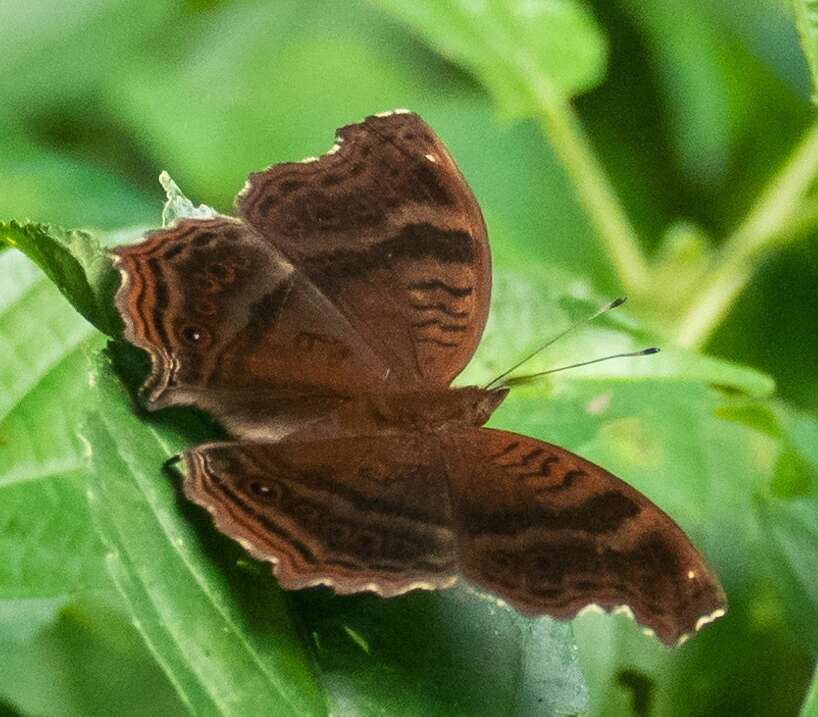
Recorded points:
434,410
323,328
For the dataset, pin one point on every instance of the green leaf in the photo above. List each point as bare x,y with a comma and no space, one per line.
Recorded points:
76,263
224,638
513,46
441,654
806,16
46,549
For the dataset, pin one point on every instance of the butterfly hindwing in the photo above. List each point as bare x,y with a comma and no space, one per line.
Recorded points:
366,513
388,230
552,533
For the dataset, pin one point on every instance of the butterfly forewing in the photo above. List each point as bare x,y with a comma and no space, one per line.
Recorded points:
388,230
367,513
224,317
552,533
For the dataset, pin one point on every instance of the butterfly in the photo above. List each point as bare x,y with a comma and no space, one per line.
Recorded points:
322,327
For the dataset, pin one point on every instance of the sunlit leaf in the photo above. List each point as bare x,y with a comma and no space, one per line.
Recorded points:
46,549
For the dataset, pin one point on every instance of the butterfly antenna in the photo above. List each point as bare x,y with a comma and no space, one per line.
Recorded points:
601,310
522,380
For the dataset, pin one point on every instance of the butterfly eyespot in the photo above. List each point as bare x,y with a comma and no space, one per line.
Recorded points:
194,335
270,492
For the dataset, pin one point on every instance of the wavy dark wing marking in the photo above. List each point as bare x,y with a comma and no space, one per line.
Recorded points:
367,513
387,228
551,533
233,327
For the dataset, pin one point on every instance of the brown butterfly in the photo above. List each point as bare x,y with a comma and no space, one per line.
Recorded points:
322,328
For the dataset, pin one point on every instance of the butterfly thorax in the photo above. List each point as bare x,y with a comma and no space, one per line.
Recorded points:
434,409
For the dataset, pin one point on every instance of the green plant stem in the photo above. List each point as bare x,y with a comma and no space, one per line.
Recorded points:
596,193
761,230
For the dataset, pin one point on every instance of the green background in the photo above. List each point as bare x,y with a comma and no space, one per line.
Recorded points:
664,150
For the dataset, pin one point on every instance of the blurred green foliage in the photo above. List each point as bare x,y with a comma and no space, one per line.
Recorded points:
665,149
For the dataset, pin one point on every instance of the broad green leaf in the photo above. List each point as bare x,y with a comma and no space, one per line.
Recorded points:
76,263
806,16
225,638
46,549
611,417
511,47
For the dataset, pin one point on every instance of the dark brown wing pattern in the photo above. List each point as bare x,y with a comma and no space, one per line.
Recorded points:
387,228
234,328
552,533
368,513
363,273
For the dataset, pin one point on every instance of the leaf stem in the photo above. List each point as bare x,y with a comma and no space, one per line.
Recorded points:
760,230
595,191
